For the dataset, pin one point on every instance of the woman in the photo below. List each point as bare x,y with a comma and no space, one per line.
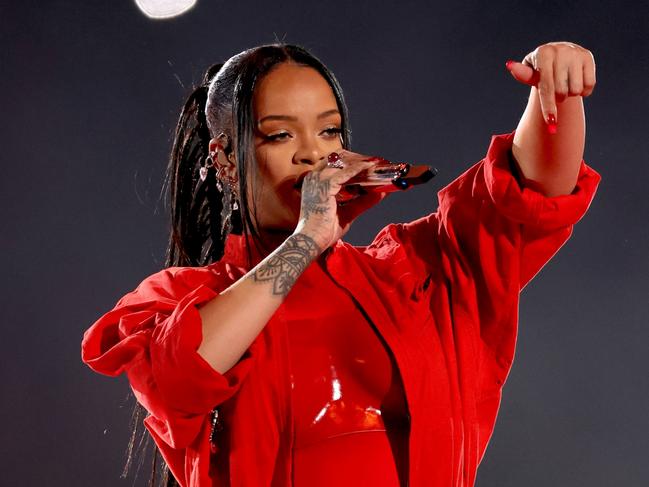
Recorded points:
270,352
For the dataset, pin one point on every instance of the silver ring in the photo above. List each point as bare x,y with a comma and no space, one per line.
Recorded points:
336,164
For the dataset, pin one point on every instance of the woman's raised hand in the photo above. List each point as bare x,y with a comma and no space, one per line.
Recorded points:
558,70
322,217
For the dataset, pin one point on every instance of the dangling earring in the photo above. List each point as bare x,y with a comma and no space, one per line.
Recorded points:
209,162
235,201
219,183
226,184
229,205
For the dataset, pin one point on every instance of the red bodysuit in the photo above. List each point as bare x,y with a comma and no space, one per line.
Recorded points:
350,414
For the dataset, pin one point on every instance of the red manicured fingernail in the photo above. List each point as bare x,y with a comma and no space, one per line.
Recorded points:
552,124
508,64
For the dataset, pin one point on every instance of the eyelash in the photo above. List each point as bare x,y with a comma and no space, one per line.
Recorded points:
333,131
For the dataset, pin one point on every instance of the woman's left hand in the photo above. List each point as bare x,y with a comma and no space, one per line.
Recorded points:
558,70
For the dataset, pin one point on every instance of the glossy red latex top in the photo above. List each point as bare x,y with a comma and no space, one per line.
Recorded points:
351,418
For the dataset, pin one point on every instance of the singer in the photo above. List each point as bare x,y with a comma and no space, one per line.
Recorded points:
269,352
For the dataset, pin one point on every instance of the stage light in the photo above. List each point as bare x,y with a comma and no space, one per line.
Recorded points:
164,9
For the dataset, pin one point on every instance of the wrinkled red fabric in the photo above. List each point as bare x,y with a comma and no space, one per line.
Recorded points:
442,291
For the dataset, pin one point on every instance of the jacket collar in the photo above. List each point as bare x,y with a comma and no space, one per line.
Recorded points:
235,251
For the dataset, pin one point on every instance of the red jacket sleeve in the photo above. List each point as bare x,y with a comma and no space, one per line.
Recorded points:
489,225
152,334
488,238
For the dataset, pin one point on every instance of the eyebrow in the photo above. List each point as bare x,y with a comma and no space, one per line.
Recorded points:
294,119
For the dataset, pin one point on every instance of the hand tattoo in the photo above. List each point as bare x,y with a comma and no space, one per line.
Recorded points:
315,196
286,264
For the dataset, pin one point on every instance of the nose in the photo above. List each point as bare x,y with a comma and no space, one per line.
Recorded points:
309,152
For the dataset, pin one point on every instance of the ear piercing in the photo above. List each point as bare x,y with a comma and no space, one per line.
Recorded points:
209,162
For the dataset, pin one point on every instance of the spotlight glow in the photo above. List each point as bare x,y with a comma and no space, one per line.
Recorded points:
164,9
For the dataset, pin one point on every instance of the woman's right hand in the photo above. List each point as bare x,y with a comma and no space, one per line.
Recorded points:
322,217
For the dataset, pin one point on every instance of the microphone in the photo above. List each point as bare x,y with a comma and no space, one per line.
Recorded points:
384,177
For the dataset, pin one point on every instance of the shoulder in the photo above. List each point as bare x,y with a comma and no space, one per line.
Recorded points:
400,247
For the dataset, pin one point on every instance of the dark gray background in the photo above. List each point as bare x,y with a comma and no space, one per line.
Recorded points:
89,94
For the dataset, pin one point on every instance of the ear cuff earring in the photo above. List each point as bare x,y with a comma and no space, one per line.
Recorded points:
209,162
